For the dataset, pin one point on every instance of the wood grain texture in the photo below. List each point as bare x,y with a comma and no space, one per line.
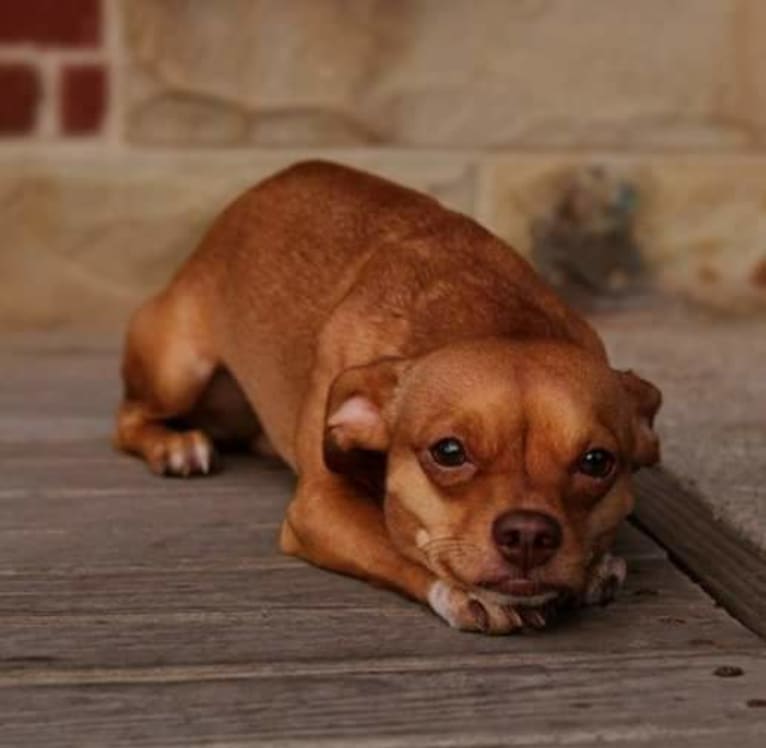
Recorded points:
136,611
527,700
309,616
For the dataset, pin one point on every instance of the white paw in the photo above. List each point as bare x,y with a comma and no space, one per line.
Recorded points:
182,454
468,611
605,579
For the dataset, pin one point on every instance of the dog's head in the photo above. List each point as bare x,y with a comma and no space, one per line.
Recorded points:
507,464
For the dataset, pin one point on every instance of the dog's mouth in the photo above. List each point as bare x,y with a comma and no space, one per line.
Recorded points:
521,591
513,586
507,588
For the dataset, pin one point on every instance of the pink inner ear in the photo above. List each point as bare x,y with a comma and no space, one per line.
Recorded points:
356,413
358,423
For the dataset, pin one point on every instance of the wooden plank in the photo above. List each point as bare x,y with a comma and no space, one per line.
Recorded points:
299,614
177,532
728,567
64,467
138,611
513,700
268,582
186,530
54,397
85,508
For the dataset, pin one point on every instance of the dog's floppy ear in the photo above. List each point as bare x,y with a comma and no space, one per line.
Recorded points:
645,400
357,420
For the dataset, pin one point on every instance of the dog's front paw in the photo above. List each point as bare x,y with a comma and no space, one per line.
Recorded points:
469,612
182,454
605,579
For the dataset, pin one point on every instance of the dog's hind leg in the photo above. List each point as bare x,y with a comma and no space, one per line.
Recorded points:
168,363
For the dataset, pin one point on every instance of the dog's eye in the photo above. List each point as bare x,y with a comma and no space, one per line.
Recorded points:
596,463
448,452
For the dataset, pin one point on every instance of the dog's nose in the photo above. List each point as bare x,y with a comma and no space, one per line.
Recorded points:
527,539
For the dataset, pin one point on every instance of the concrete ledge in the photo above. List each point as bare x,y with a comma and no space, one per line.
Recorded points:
731,569
712,420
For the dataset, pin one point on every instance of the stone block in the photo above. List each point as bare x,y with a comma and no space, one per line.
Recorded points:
597,73
86,238
700,219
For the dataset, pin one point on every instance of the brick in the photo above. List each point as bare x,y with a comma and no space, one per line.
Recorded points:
83,92
65,23
20,86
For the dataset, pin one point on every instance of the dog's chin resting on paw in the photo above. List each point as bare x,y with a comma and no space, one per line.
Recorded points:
457,431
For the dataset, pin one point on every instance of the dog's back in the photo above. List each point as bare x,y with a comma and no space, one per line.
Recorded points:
322,253
306,229
288,251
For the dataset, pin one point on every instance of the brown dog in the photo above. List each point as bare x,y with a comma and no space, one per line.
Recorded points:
456,429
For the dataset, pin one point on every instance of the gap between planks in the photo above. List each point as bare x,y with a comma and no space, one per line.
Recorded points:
726,566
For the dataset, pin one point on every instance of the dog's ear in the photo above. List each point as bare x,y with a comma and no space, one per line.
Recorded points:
645,400
358,415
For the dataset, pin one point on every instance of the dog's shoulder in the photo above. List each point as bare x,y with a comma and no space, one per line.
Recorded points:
331,182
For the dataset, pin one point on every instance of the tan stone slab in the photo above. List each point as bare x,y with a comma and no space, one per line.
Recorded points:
467,74
86,238
745,96
700,222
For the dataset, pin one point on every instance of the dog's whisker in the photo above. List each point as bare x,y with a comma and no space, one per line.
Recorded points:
451,547
440,551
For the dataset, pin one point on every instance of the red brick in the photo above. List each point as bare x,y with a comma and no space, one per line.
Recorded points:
19,98
62,23
82,104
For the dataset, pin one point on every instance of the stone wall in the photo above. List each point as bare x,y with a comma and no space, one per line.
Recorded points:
126,124
446,73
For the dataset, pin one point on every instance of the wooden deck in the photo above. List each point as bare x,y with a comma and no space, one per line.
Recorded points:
136,611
